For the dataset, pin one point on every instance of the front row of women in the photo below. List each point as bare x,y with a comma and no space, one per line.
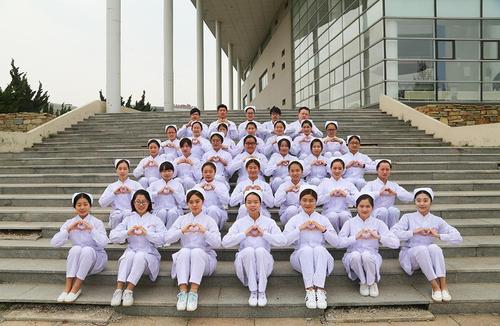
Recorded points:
308,232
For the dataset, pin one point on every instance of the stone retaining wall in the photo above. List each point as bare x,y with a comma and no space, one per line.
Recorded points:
23,121
457,115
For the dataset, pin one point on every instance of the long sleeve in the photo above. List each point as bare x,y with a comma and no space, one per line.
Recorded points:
174,233
448,233
316,132
272,166
268,147
212,235
119,233
183,132
280,196
295,150
234,236
291,232
98,234
60,238
330,235
237,195
346,239
323,193
235,165
222,193
139,170
237,149
179,194
387,238
276,238
352,195
107,197
402,228
368,189
268,195
157,235
403,195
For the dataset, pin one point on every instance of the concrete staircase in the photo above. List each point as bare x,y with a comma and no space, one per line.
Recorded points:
36,187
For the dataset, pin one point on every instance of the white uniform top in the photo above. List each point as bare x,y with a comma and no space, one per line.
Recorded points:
150,171
121,200
295,128
272,168
217,196
188,170
314,238
302,148
267,194
185,132
242,129
164,200
268,128
334,203
206,241
96,238
411,221
315,171
374,187
232,130
332,146
355,172
283,198
238,164
221,169
200,146
171,149
272,235
240,147
229,143
271,146
352,227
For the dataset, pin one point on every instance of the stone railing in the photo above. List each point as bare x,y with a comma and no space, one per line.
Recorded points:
23,121
458,115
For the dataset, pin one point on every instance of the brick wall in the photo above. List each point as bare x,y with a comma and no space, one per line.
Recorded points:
23,122
456,115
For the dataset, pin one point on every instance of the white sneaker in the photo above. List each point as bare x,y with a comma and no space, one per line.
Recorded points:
311,299
253,300
321,299
446,295
182,298
116,300
437,296
364,290
62,296
192,302
262,300
71,297
374,290
128,298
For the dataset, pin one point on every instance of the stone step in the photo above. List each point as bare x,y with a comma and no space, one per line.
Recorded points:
472,246
458,270
63,212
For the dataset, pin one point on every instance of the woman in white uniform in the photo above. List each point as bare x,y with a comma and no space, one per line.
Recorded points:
385,192
287,195
144,232
186,131
356,163
317,164
238,162
220,157
147,170
337,194
308,232
228,144
199,236
119,193
362,236
419,231
88,238
250,115
268,126
301,145
250,129
199,143
187,166
167,195
277,168
255,235
271,145
170,147
334,146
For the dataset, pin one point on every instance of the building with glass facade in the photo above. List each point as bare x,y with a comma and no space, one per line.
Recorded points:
348,52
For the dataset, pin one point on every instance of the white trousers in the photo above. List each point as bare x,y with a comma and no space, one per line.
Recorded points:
80,262
276,182
358,182
338,218
255,266
218,214
132,266
191,265
389,216
287,213
429,259
116,217
187,182
146,182
313,264
167,215
364,265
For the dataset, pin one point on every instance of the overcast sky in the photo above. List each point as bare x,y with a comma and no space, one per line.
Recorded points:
62,43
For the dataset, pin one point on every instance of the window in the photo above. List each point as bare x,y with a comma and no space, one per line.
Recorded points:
445,49
406,28
491,72
491,28
458,8
263,81
411,70
491,8
273,75
458,71
272,64
490,50
283,66
457,29
283,101
410,49
252,93
405,8
283,52
458,91
467,50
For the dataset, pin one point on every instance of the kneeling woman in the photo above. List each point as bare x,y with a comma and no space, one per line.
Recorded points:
419,231
308,231
362,236
87,256
199,236
255,233
144,232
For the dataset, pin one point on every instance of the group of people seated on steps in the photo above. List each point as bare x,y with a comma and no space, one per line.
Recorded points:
183,193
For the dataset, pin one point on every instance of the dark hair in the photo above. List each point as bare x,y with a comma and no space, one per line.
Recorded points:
352,137
249,136
282,122
222,125
197,122
146,195
287,140
304,108
251,123
195,110
221,106
252,160
331,123
79,196
297,163
120,162
212,164
423,192
186,141
250,108
275,109
338,160
253,193
306,122
308,192
213,135
316,141
175,128
384,161
166,166
363,197
153,141
193,192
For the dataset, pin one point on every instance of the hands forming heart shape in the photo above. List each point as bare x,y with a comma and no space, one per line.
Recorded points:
81,225
194,228
215,158
138,231
196,141
208,186
254,231
284,163
311,226
151,163
166,190
123,189
368,234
